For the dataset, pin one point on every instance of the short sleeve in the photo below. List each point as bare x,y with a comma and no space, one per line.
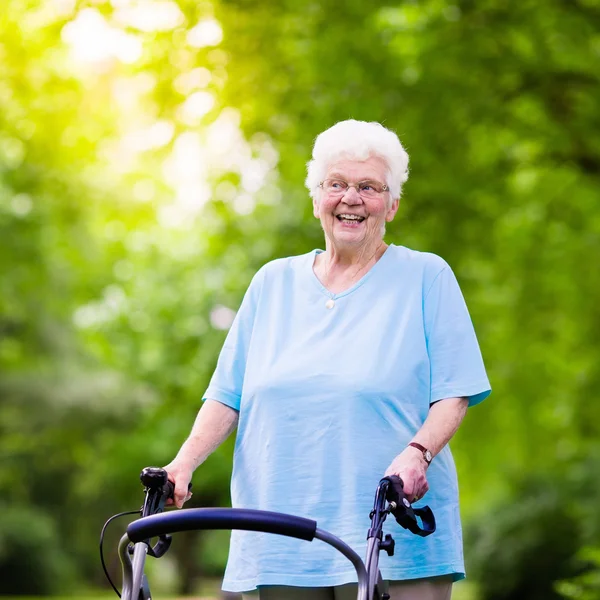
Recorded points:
457,368
228,379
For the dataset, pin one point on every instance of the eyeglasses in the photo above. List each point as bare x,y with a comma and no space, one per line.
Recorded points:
366,189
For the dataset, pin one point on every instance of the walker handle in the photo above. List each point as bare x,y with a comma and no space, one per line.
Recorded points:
221,518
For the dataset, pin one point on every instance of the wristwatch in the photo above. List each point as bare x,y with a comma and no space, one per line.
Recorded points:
426,454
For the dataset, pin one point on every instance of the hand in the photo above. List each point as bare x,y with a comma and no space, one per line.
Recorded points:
411,467
180,475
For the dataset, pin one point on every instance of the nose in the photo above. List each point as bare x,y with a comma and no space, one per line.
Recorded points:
352,197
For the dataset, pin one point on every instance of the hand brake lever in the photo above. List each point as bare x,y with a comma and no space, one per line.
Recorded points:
403,511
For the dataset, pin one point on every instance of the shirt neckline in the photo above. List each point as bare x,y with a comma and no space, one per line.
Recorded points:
312,255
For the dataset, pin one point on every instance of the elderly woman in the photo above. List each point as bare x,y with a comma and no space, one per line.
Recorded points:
341,366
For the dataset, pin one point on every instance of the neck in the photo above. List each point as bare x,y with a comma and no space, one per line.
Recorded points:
361,257
338,270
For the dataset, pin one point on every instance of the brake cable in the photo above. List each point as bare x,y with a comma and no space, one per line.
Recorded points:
157,489
123,514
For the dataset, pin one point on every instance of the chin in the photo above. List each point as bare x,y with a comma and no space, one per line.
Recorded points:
350,238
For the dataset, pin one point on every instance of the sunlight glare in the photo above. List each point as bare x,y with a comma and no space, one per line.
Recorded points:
154,136
62,8
198,78
150,16
244,204
254,175
93,40
144,190
206,33
185,170
196,106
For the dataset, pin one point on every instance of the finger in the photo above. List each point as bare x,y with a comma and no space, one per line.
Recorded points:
419,495
416,491
410,490
411,484
181,493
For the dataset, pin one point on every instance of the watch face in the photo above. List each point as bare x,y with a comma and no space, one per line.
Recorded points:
428,456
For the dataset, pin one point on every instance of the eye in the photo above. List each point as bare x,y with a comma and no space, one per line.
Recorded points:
336,186
367,187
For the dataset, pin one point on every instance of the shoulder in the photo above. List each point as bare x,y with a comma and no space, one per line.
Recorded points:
424,270
417,257
427,264
280,268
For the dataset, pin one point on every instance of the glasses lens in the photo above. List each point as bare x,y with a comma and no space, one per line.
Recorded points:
335,186
369,189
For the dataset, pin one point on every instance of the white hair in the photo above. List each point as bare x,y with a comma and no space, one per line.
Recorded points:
357,140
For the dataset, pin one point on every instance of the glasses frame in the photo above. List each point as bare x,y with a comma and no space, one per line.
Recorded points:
356,186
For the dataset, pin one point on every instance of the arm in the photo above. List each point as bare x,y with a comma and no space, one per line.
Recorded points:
457,372
216,420
213,425
444,418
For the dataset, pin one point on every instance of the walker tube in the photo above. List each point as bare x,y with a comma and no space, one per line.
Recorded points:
127,568
359,566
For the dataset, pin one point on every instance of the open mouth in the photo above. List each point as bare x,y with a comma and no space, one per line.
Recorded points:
348,218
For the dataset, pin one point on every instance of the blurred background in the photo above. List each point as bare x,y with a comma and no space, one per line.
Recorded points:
152,158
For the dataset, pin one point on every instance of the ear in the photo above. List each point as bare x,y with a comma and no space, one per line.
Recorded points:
316,206
391,213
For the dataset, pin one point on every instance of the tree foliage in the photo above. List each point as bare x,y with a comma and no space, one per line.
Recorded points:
152,157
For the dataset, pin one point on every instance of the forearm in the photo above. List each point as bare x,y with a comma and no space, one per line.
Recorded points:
213,425
442,422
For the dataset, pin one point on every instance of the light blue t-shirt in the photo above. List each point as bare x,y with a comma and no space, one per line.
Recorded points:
328,397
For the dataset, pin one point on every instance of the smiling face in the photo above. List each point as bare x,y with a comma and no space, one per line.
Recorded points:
351,221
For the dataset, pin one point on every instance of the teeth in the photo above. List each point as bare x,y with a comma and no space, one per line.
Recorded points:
351,217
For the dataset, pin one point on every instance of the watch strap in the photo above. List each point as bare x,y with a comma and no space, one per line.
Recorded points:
426,453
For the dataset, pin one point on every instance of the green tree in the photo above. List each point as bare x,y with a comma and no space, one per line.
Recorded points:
151,161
